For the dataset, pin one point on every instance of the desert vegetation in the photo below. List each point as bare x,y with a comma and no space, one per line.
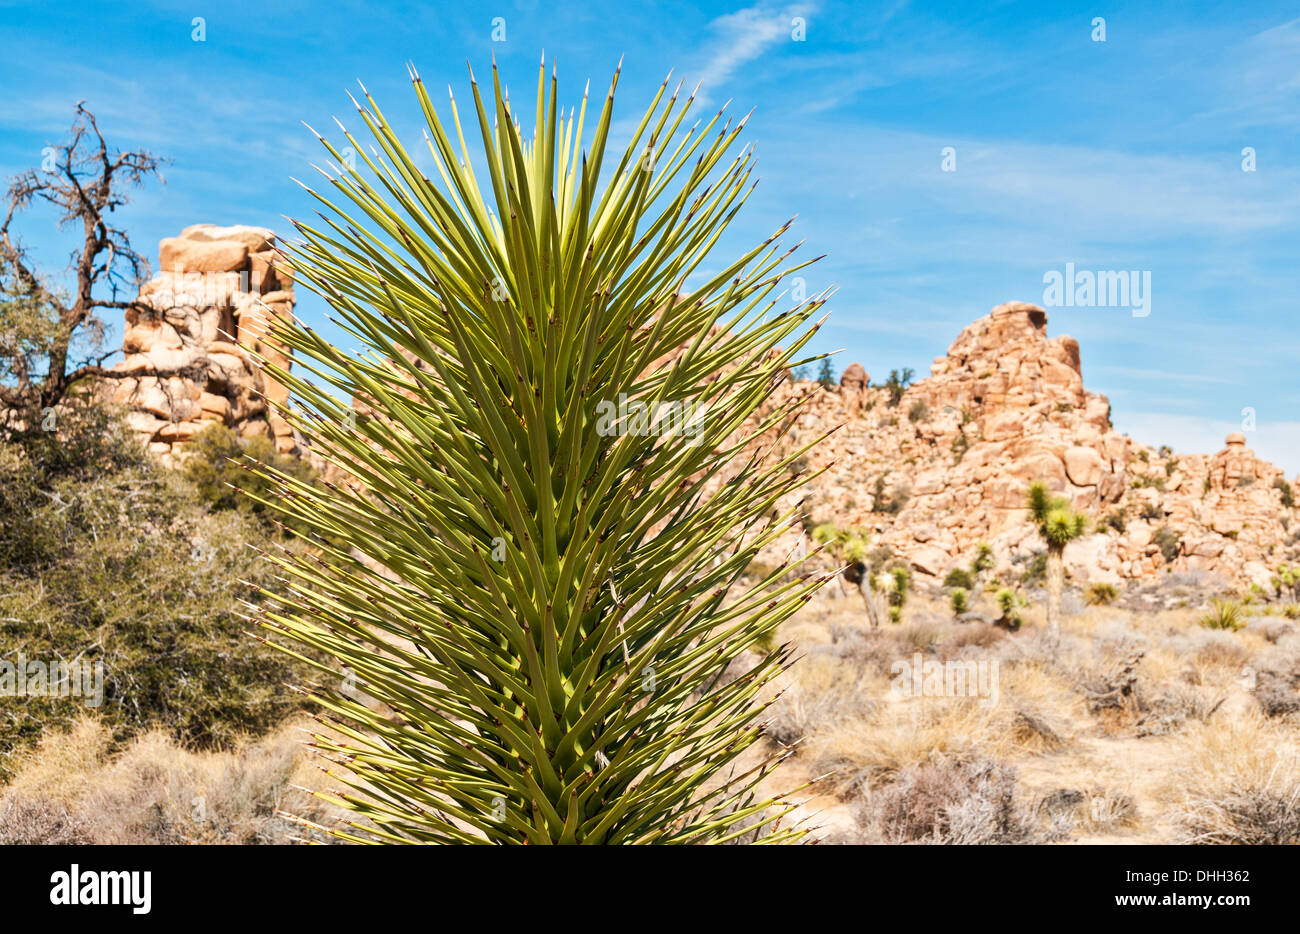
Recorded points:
1129,727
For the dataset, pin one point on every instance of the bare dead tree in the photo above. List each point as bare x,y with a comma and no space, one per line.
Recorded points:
42,325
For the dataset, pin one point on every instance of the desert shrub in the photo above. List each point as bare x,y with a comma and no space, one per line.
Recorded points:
1101,594
1288,497
957,600
1223,614
947,802
1167,540
824,696
217,465
889,504
113,561
1115,520
878,557
983,560
1151,512
1276,693
919,411
1249,817
959,446
1035,570
960,577
897,384
156,792
40,821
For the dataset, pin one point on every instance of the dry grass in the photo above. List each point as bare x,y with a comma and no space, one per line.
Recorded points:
72,789
1239,782
1090,738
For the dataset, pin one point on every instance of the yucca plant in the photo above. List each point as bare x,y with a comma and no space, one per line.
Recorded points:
1059,525
550,498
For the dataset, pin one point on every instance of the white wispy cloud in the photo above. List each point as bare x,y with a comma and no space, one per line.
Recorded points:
741,37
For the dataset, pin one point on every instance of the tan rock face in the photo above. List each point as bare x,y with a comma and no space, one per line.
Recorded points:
192,337
948,467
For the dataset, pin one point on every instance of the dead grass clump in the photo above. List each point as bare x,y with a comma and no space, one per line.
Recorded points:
948,802
155,792
38,820
1270,627
1240,784
1031,731
827,694
1094,809
971,636
862,753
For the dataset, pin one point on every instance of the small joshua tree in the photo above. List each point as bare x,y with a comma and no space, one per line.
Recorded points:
850,550
958,601
1010,616
1059,525
1287,578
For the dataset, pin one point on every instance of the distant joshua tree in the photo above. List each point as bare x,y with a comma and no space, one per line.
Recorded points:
826,373
1059,525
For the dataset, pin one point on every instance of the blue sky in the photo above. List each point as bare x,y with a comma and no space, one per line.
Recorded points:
1117,155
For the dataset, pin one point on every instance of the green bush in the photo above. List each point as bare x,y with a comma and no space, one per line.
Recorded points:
217,463
960,578
1288,498
1101,594
1167,540
1035,571
901,582
919,412
897,384
109,559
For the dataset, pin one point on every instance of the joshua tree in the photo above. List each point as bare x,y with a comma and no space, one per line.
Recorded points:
958,601
49,338
850,550
1287,578
541,575
1059,525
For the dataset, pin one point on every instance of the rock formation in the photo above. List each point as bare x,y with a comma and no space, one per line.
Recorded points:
949,465
192,333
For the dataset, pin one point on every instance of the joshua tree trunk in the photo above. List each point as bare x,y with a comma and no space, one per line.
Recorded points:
869,598
1055,586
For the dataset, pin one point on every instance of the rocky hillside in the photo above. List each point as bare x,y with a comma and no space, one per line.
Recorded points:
934,470
929,470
